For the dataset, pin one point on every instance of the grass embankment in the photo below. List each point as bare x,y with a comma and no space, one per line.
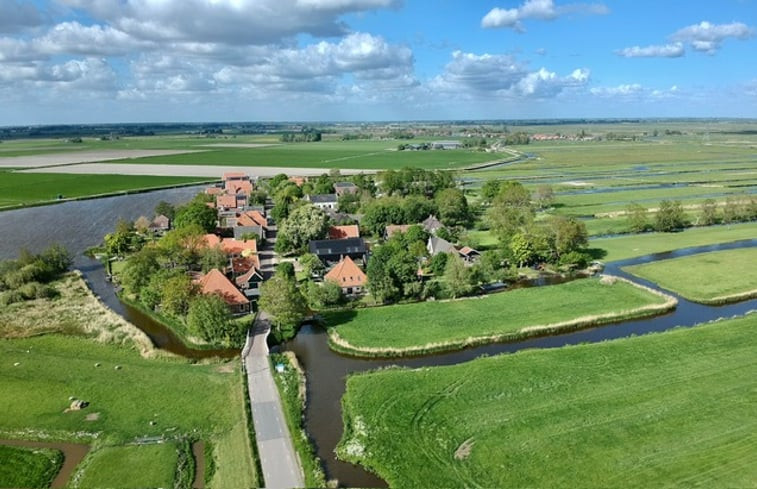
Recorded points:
623,247
427,327
28,467
717,277
32,188
291,386
674,409
130,396
131,467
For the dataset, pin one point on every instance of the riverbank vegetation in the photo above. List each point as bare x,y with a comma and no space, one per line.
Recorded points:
623,247
28,468
131,467
637,412
428,327
291,385
717,277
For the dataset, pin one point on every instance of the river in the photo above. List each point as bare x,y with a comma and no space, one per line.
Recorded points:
82,224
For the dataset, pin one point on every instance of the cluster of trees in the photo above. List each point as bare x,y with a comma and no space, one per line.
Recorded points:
307,135
475,143
305,223
414,181
28,277
526,241
517,138
670,215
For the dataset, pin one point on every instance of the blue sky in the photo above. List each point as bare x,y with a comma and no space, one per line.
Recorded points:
73,61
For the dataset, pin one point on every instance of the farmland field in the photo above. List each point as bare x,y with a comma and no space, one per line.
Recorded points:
623,247
432,326
28,467
714,277
29,188
674,409
132,467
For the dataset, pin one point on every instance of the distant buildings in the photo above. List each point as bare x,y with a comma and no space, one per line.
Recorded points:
323,201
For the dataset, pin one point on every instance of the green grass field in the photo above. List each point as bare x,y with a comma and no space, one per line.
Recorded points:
30,468
434,326
131,467
620,248
30,188
665,410
716,277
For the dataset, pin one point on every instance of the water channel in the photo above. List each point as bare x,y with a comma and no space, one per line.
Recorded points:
80,225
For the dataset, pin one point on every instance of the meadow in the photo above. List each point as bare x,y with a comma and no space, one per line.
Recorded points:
674,409
710,278
28,467
436,326
73,346
18,189
130,467
622,247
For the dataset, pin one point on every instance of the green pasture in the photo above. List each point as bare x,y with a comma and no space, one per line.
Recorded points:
30,468
30,188
431,326
713,277
674,409
622,247
130,467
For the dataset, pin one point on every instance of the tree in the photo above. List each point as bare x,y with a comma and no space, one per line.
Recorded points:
567,234
311,264
544,196
522,249
209,318
511,211
166,209
438,263
709,213
453,207
175,295
304,224
213,257
184,245
390,268
56,259
457,277
198,214
490,189
326,294
636,218
730,210
139,269
286,270
280,298
117,243
670,216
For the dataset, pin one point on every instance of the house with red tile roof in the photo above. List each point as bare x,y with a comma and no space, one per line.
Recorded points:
299,181
237,249
215,283
226,201
348,276
344,232
238,187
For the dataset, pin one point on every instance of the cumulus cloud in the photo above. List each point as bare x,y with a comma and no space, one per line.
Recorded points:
620,90
226,21
674,50
502,75
17,16
536,9
92,74
708,38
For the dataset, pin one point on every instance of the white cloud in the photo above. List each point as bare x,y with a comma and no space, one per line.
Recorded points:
620,90
536,9
708,38
16,16
90,74
674,50
237,22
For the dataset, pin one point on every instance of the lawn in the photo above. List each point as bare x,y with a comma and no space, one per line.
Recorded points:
30,188
674,409
436,326
711,278
28,467
620,248
130,467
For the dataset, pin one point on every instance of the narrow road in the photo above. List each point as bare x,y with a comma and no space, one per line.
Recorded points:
281,467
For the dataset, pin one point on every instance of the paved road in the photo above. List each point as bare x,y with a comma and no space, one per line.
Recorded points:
281,467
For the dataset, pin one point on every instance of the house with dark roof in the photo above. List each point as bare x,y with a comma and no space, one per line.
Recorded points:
249,283
334,250
431,224
348,276
160,224
468,254
323,201
436,245
342,188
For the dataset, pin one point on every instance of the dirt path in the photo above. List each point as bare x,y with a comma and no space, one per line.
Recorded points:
211,171
75,157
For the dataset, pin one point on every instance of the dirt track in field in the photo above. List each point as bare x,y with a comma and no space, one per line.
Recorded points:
210,171
74,157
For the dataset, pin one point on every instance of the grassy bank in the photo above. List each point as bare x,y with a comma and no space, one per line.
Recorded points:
674,409
17,189
28,467
710,278
291,386
623,247
131,467
438,326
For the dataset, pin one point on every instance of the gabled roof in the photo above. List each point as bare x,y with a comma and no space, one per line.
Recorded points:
346,274
226,200
322,198
438,245
251,218
215,282
212,240
235,175
238,187
337,246
432,224
213,191
252,272
299,181
243,264
231,245
160,222
344,185
396,228
467,251
342,232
